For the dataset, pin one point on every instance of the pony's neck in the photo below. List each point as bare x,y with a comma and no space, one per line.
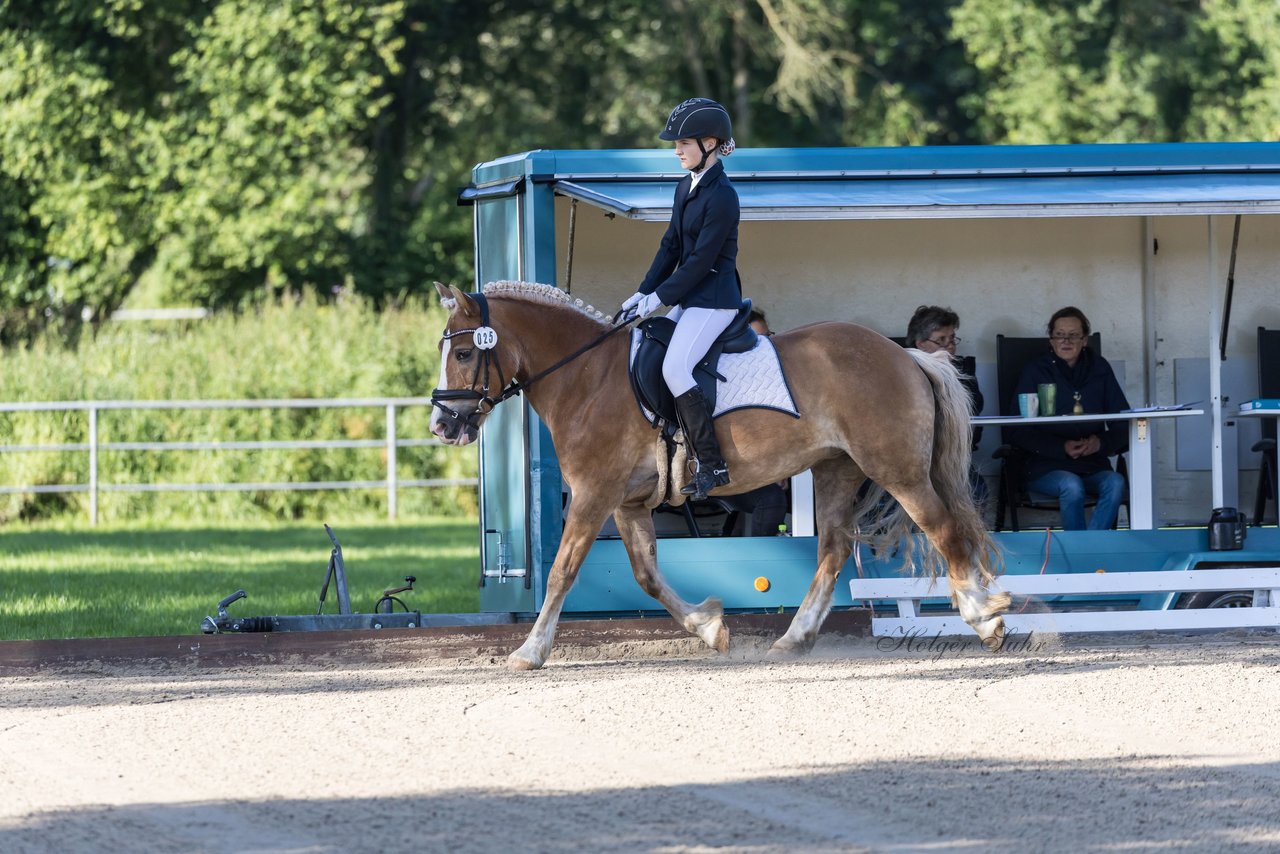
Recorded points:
545,334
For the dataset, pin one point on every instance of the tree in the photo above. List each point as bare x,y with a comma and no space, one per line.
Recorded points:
270,165
80,87
216,150
1053,71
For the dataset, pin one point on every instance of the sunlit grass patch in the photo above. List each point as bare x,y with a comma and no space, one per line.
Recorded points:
126,580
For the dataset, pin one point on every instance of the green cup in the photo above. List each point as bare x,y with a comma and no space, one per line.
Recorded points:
1048,393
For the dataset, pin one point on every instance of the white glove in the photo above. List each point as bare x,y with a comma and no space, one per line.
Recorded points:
632,300
648,304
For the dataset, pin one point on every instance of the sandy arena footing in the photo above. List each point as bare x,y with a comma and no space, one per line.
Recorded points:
1079,744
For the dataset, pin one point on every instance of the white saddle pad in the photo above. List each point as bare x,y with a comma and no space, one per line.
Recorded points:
751,379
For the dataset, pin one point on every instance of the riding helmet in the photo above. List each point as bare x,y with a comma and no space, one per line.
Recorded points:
697,118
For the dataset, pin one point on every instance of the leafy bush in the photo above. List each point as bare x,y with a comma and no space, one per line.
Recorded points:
296,347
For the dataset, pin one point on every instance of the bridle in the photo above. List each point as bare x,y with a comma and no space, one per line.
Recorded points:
486,340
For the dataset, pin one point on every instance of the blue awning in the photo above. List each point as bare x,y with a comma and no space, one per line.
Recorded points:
826,197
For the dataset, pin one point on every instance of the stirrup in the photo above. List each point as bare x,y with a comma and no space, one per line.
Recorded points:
705,480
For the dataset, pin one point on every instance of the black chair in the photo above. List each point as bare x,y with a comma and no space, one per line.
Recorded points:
1012,355
1268,386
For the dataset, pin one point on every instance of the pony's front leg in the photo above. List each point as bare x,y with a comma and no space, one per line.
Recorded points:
706,619
580,530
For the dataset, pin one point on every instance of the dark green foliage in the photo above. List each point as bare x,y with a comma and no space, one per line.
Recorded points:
215,151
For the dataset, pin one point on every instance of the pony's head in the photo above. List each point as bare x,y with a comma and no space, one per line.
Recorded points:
471,370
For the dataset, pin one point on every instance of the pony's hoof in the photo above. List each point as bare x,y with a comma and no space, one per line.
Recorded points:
707,622
520,661
992,634
714,634
720,643
786,651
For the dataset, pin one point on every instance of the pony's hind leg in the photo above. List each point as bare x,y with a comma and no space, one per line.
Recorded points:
835,485
706,619
956,532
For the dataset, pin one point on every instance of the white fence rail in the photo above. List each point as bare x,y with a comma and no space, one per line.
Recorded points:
392,483
1263,581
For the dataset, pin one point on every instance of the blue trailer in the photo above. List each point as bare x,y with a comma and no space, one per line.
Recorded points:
1141,236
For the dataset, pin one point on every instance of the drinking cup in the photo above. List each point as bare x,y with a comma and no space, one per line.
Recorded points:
1028,405
1048,394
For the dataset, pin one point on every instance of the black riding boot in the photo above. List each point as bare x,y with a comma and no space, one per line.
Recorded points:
700,441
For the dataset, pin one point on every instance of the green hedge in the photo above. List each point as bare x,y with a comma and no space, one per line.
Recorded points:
292,348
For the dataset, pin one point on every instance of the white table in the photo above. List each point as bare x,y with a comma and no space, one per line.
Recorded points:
1141,501
1258,413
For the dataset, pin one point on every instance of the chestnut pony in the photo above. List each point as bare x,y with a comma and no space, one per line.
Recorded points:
869,409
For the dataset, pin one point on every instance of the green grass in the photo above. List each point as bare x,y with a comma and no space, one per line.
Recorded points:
135,580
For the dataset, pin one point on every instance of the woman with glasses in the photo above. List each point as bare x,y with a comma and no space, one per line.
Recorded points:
1069,460
933,328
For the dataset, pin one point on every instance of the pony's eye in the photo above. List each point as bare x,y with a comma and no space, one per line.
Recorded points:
462,355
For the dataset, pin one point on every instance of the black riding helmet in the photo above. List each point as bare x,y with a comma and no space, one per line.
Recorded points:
696,119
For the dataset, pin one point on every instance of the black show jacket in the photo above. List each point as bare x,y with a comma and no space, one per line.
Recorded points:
696,264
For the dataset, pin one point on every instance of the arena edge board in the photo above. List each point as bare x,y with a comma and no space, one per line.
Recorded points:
387,646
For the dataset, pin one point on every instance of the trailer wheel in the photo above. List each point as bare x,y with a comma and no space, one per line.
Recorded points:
1207,599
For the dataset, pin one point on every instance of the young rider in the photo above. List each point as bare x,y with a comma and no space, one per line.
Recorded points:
695,270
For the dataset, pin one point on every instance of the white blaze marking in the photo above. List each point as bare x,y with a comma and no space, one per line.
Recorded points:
437,415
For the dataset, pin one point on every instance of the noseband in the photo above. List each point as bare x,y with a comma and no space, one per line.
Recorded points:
489,357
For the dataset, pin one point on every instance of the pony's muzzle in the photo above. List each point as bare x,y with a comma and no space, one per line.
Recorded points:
456,426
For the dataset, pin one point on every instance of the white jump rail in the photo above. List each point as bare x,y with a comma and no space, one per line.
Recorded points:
907,592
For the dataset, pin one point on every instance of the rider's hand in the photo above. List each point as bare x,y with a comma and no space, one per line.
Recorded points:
648,304
634,299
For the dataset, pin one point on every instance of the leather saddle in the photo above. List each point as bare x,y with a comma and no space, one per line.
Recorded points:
646,367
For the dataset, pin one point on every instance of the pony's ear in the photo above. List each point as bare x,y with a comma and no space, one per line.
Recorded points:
466,305
446,297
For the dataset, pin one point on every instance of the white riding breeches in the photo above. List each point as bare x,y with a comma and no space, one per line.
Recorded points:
696,330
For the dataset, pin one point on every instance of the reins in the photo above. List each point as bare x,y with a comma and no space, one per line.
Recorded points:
486,340
516,387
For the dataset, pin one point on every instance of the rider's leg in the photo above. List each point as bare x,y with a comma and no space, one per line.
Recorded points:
695,332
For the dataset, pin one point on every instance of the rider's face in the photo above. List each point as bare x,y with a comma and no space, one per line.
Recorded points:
687,151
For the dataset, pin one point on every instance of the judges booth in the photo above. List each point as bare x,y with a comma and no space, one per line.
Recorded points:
1142,238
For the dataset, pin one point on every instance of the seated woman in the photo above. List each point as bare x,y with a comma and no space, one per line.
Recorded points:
1070,459
933,328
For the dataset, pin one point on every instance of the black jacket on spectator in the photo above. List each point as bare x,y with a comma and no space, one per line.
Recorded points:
1099,392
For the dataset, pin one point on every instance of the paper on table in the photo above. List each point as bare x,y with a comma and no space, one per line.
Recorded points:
1171,408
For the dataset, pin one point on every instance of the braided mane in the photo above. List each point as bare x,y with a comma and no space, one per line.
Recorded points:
546,295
